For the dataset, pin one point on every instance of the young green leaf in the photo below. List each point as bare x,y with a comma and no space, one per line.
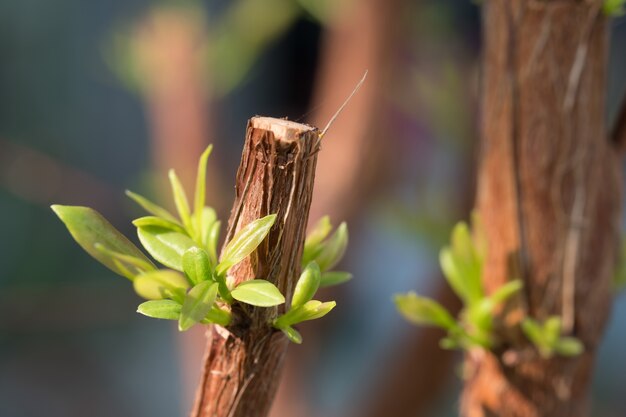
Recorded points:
197,265
163,283
89,228
331,278
208,217
258,292
217,316
311,310
180,198
200,194
313,243
245,242
158,222
292,334
569,346
467,261
614,7
422,310
320,231
307,285
506,291
453,274
130,263
160,309
449,343
533,331
197,304
333,249
165,245
480,314
150,207
316,310
552,330
212,240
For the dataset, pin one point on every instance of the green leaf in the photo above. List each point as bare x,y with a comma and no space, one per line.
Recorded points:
533,331
307,285
217,316
320,231
197,304
467,262
180,199
129,263
200,194
333,249
449,343
150,207
160,309
158,222
245,242
89,228
212,240
480,315
552,330
311,310
614,7
313,243
424,311
334,278
209,217
197,265
165,245
163,283
453,274
569,346
506,291
258,292
292,334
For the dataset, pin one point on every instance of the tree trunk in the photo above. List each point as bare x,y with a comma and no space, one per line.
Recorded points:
243,361
549,198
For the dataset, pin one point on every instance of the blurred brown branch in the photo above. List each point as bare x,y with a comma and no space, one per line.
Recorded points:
42,179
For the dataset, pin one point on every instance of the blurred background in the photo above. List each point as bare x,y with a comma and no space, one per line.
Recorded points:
97,97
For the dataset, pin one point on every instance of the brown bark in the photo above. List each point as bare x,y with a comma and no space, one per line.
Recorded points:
549,197
276,174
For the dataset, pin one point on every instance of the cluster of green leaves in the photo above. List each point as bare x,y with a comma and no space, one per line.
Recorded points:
193,288
614,7
462,264
321,253
548,340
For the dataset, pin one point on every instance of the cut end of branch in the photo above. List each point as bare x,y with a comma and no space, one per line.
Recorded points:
283,129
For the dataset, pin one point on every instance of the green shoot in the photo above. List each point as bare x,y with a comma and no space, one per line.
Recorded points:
193,288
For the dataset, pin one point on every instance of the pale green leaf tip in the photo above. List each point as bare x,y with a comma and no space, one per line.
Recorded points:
184,325
207,151
60,210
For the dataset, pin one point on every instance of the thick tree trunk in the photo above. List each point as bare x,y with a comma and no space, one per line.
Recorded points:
549,197
276,174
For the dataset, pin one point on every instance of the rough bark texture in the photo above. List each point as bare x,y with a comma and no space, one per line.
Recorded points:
243,362
549,197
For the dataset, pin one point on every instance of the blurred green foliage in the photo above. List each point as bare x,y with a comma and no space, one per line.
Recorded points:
229,44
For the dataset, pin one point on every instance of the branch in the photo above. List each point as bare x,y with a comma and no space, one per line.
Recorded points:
243,362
